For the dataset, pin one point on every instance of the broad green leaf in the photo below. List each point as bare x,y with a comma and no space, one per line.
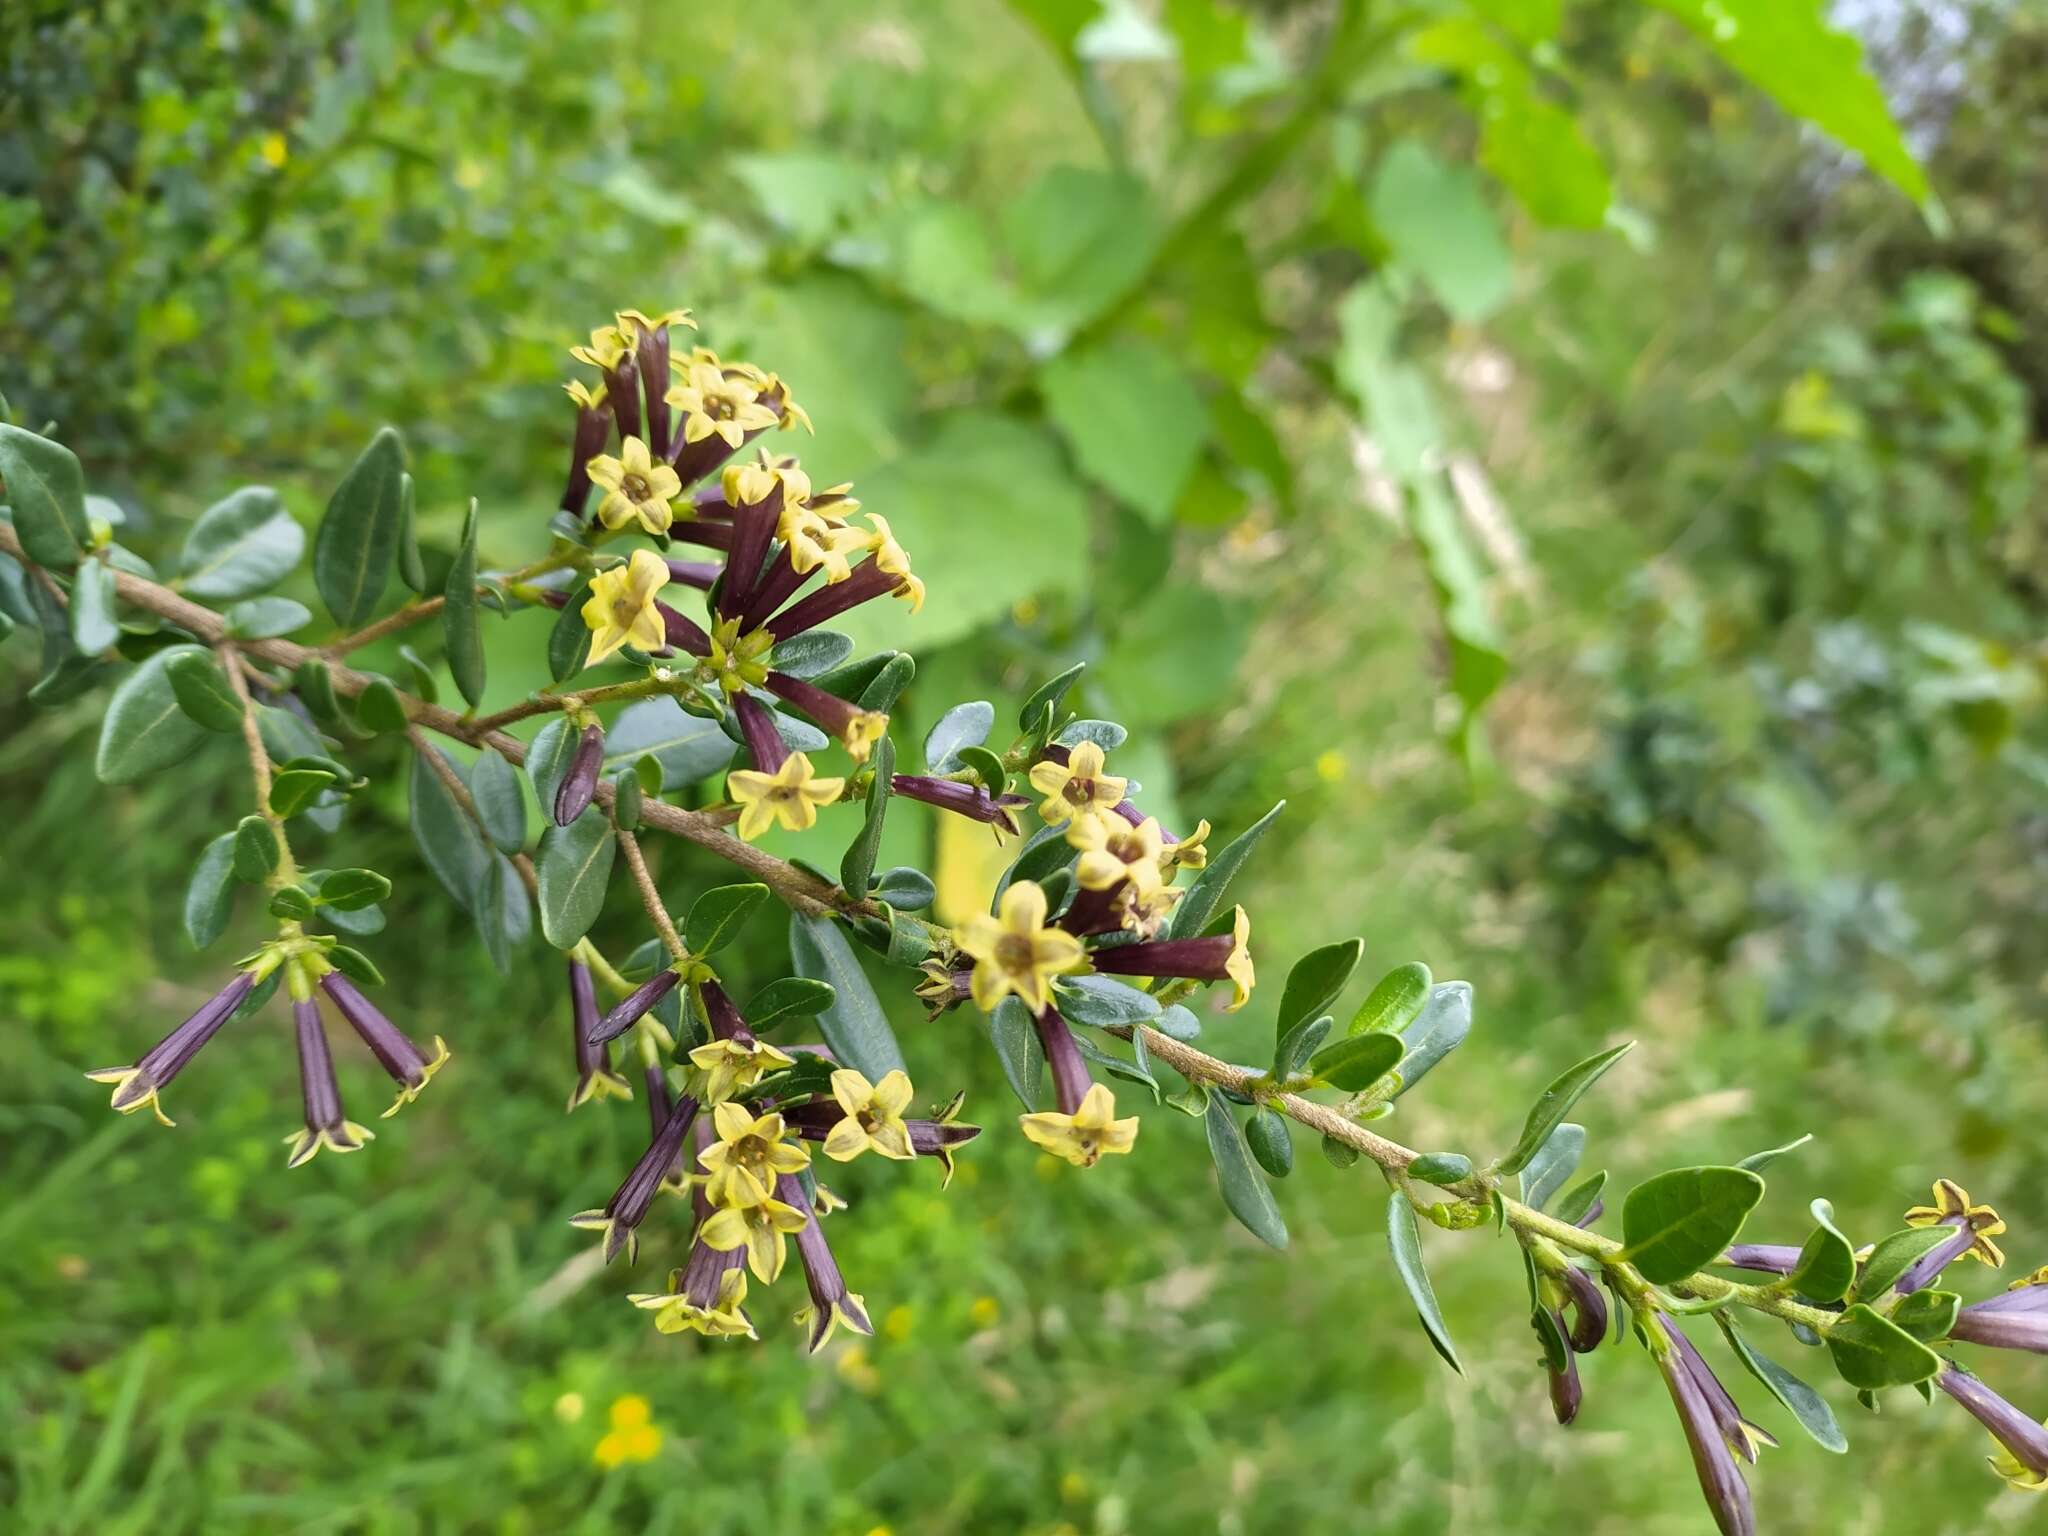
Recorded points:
569,640
1314,982
1406,1241
487,909
1205,897
810,193
1106,734
1103,1001
265,618
1133,419
93,628
574,866
350,890
904,888
379,709
1787,49
459,616
1265,1133
203,692
1678,1221
1438,1029
494,785
1757,1162
884,690
1015,1038
1180,651
1556,1102
964,725
857,867
355,965
256,852
210,894
1052,694
1928,1315
314,685
688,747
42,482
449,841
240,546
1827,1263
1436,219
716,916
359,535
1894,1255
1244,1187
1441,1168
293,903
144,728
1555,1161
295,789
855,1027
1394,1001
847,351
1077,240
1800,1400
787,997
1356,1061
1872,1353
811,653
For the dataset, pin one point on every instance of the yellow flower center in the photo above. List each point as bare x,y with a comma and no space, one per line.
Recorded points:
635,488
1016,954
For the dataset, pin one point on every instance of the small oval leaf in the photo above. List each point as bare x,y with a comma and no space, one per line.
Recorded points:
1406,1241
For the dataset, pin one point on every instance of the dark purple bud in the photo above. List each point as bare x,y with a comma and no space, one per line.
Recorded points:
650,352
137,1087
1593,1213
757,728
326,1125
628,1013
683,634
1070,1079
593,431
622,389
753,530
1589,1311
1720,1478
700,530
408,1065
778,584
2024,1440
1565,1392
1764,1258
928,1138
573,794
594,1075
969,800
1741,1436
832,1304
867,582
622,1214
2015,1319
694,573
659,1102
724,1016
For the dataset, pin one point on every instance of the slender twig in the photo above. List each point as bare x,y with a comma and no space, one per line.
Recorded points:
650,896
459,792
390,624
252,736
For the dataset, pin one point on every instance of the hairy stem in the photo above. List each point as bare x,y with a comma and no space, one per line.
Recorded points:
650,897
287,871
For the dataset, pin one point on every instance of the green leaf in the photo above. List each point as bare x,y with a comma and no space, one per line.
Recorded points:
293,903
1439,1029
985,766
1554,1162
1678,1221
904,888
855,1026
1800,1400
1757,1162
1436,219
1871,1352
964,725
1050,694
1265,1133
1441,1168
295,790
314,685
411,569
1077,239
687,747
1313,984
459,617
574,866
419,677
1928,1315
1104,1002
1576,1201
256,852
1132,417
1894,1255
1015,1038
1244,1187
1406,1241
355,965
1291,1054
812,653
448,840
93,628
787,997
857,868
1394,1001
265,618
43,483
350,890
503,914
494,785
1827,1263
548,758
716,916
1181,648
1205,897
359,535
1556,1102
1356,1061
628,798
240,546
379,708
144,728
210,894
1787,49
881,694
203,692
569,640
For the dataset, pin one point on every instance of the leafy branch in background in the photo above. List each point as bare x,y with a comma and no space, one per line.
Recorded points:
1099,892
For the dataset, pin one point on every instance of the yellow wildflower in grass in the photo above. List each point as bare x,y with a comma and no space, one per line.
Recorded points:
636,486
1077,787
1112,851
985,1312
1014,952
1089,1134
788,797
620,609
632,1436
750,1152
721,399
763,1230
730,1065
874,1116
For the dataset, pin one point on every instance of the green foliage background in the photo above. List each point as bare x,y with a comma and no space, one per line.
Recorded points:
1697,701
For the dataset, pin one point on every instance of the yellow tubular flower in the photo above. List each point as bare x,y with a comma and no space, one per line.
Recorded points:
1239,966
1015,953
893,561
725,1318
346,1137
790,796
874,1116
1112,851
1089,1134
1077,787
746,484
862,732
750,1151
635,487
620,609
730,1065
719,399
1191,852
813,543
590,399
607,345
634,324
761,1229
1952,1207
